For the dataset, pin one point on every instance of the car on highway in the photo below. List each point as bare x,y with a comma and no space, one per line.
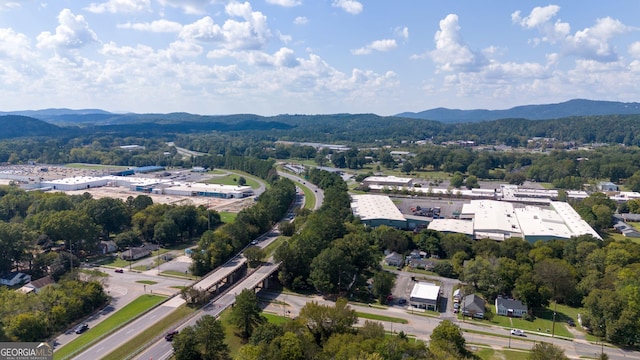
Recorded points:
169,336
81,328
517,332
119,271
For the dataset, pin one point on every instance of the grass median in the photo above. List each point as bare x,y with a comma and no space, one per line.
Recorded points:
121,317
381,318
124,351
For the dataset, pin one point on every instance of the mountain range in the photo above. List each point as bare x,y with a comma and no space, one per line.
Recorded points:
576,107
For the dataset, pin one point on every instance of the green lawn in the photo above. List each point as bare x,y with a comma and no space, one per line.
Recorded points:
147,282
227,217
93,272
491,354
381,318
232,179
541,323
269,249
113,261
125,350
179,274
309,197
121,317
276,319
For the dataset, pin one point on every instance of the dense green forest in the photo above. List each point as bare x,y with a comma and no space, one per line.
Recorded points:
349,129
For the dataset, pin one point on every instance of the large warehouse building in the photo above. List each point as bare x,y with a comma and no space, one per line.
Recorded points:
150,185
500,220
376,210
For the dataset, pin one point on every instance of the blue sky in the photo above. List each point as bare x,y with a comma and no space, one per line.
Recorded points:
271,57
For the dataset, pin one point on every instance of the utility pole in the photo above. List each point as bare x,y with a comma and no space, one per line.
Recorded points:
553,325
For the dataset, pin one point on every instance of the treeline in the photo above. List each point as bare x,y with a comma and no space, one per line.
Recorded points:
45,233
216,246
318,332
34,317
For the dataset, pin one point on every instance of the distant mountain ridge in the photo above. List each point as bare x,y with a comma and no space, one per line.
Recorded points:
576,107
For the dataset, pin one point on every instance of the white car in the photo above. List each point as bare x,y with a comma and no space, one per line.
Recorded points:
517,332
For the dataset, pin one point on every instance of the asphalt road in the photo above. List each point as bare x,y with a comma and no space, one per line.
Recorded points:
318,193
123,289
422,326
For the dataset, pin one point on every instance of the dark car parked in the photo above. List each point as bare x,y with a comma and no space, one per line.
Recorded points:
81,328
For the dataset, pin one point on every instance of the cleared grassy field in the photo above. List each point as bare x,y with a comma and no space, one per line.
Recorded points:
121,317
228,217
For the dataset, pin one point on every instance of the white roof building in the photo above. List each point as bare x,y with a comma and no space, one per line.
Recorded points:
452,226
494,219
500,220
388,181
209,190
425,295
573,220
375,208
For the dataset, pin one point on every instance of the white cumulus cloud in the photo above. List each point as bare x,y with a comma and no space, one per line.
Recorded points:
541,18
351,6
451,53
156,26
285,3
119,6
14,45
378,45
300,20
402,32
203,30
188,6
591,43
8,5
634,50
72,32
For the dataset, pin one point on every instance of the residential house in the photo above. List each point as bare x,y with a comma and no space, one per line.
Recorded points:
37,285
473,305
426,264
135,253
107,247
394,259
14,278
510,307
